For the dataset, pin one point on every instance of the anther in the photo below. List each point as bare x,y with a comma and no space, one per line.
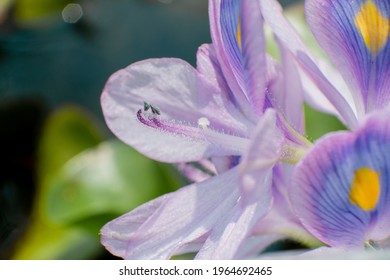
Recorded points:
203,122
155,109
146,106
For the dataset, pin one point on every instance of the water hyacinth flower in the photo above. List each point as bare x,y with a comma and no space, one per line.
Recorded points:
340,191
354,34
341,187
235,109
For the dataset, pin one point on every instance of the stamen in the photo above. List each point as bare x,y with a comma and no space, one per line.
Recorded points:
146,106
230,144
155,110
178,129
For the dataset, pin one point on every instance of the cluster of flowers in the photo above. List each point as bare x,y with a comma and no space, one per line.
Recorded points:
234,124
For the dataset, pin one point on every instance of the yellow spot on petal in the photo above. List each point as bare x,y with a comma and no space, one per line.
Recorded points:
373,26
365,189
238,33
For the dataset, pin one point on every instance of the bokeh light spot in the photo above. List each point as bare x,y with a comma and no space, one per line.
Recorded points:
72,13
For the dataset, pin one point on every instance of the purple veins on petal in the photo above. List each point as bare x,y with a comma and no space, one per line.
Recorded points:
355,35
341,187
231,33
238,39
273,16
224,18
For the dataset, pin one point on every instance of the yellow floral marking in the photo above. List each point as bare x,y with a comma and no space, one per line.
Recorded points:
365,189
373,26
238,33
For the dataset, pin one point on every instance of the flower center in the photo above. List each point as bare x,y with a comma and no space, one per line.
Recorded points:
365,189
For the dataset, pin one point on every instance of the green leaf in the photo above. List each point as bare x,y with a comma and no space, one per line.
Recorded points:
83,184
46,241
5,5
111,178
33,11
68,131
317,123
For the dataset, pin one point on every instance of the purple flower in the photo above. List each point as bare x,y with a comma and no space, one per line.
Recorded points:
340,190
341,187
224,112
355,35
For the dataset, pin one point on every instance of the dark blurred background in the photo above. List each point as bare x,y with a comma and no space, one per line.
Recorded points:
55,57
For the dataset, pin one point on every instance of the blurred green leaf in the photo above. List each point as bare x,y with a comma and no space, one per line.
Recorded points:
32,11
112,178
84,183
317,123
5,4
46,241
69,131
